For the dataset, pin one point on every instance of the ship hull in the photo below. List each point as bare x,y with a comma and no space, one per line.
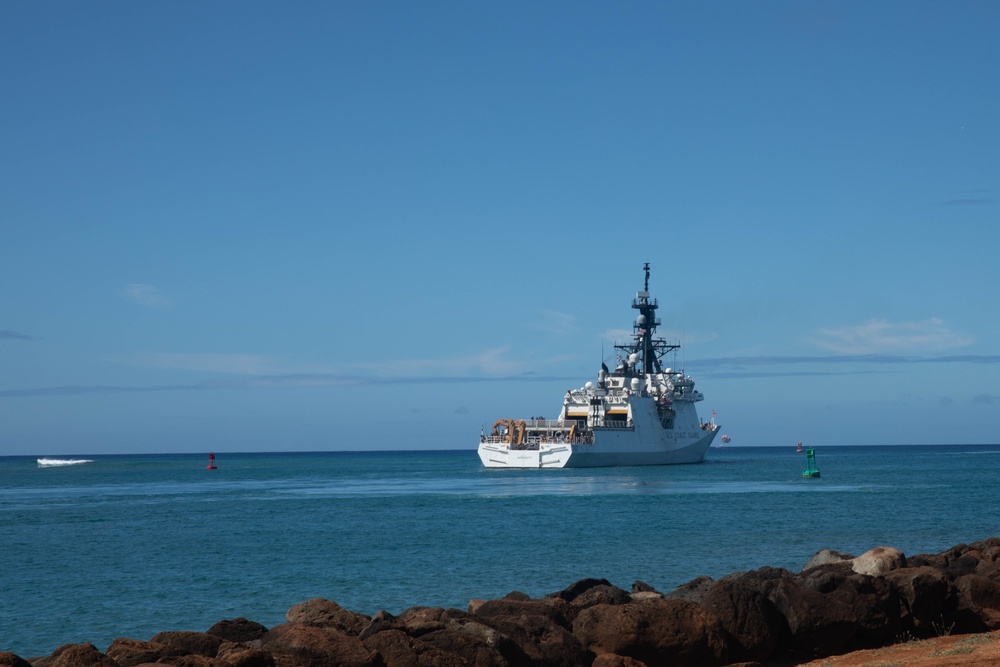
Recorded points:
646,443
604,453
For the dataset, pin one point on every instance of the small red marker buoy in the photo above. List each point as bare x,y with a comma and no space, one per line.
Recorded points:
211,461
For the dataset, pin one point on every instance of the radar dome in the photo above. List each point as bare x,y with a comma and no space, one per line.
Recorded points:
589,385
635,384
640,321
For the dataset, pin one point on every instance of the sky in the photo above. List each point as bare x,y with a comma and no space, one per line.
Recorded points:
247,226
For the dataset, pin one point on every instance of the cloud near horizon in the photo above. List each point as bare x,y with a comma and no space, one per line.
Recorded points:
491,362
210,362
882,336
146,295
7,334
722,367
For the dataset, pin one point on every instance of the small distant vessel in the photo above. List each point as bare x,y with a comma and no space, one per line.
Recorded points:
811,469
211,462
799,448
639,414
52,463
725,439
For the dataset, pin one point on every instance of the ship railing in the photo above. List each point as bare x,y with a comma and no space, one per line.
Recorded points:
544,423
616,426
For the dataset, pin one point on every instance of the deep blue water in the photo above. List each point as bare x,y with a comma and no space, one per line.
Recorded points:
127,546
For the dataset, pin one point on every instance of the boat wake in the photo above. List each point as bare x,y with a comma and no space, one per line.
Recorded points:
48,463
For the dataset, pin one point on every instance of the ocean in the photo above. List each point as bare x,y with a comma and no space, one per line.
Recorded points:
128,546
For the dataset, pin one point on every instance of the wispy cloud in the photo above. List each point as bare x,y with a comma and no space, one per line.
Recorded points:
270,382
751,367
7,334
493,362
618,336
971,198
968,202
842,359
555,321
209,362
438,372
879,336
146,295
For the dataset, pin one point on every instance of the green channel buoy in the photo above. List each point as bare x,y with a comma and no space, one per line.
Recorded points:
811,469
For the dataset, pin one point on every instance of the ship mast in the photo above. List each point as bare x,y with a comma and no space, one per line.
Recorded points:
649,350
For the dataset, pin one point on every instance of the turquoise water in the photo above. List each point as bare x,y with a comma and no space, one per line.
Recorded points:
127,546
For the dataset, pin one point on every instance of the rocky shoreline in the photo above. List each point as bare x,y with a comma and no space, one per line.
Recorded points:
837,604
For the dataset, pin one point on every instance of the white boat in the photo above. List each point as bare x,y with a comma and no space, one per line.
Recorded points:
51,463
639,414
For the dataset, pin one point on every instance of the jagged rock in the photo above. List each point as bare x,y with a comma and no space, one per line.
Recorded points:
301,645
400,650
517,595
926,596
132,652
554,609
327,613
237,654
238,630
657,632
540,628
380,622
191,660
981,596
477,643
8,659
600,595
613,660
577,588
961,566
955,562
418,621
748,616
542,641
875,603
692,590
878,561
819,625
825,557
198,643
642,587
936,561
80,655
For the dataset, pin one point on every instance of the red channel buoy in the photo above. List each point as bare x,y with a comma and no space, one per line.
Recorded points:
211,461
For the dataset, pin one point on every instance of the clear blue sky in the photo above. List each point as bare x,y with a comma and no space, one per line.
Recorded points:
380,225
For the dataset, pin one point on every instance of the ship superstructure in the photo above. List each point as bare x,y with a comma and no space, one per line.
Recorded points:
641,413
